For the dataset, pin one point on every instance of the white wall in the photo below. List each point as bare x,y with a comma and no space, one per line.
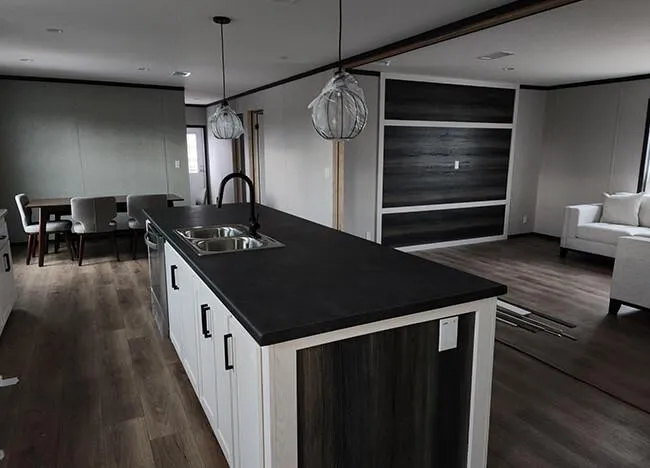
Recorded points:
298,162
526,160
67,139
593,138
360,179
195,116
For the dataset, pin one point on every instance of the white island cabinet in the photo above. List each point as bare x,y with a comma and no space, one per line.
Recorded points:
307,402
7,282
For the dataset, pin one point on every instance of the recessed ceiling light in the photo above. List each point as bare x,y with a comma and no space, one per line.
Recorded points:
508,68
184,74
496,55
54,30
26,60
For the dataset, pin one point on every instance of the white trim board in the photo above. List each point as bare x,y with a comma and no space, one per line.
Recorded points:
446,124
442,206
454,243
380,159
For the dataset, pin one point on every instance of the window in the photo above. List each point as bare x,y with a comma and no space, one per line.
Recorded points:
644,170
192,154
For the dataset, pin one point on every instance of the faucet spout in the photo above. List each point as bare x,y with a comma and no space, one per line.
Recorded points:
253,220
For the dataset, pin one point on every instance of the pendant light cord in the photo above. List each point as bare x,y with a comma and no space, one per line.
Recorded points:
340,34
223,66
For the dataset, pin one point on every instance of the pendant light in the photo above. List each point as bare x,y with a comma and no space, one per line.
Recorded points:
225,123
340,112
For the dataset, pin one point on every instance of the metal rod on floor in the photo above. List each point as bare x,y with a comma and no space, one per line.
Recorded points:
537,324
564,323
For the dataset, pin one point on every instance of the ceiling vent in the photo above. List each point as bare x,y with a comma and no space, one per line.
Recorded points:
496,55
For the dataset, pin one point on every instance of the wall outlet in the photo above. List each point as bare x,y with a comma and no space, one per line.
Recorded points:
327,173
177,164
456,165
524,219
368,235
448,335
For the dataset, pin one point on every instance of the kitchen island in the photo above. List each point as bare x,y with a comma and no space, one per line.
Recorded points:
331,351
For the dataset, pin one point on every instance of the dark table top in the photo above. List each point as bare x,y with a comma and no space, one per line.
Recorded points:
65,201
322,280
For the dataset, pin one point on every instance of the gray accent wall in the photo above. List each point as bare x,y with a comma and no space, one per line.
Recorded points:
67,139
592,143
196,116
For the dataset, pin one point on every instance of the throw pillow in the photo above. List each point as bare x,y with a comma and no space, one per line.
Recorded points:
644,211
621,209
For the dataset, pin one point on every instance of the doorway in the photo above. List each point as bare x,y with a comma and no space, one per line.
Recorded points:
196,165
256,161
239,165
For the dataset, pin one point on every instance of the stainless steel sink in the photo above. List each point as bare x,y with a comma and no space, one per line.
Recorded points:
209,232
208,240
228,244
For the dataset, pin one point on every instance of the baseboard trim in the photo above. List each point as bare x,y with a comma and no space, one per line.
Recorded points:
534,234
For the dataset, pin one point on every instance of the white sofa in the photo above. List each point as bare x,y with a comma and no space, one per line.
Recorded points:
631,271
584,232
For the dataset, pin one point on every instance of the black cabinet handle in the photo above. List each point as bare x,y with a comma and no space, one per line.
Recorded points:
204,321
226,338
7,262
174,285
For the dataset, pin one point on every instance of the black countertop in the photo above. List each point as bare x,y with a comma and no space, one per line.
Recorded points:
322,280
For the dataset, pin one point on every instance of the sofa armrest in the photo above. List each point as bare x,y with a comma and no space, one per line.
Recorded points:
577,215
631,271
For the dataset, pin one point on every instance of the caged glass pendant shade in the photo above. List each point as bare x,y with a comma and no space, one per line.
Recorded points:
340,112
225,123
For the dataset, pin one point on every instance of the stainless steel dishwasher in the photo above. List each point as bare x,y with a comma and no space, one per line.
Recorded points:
156,247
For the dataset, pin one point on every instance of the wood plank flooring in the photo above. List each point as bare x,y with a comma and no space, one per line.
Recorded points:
98,389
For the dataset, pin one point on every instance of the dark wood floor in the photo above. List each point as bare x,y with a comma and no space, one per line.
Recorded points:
98,389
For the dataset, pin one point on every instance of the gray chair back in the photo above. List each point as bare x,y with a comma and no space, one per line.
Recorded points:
94,214
136,203
22,201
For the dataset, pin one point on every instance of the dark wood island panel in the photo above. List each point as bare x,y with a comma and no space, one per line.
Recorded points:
386,400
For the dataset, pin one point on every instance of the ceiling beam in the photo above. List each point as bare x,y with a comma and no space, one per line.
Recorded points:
488,19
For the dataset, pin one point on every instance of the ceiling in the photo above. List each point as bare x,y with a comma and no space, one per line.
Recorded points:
267,41
589,40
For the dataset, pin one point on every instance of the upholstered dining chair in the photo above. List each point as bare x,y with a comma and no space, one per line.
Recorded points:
135,204
94,216
31,228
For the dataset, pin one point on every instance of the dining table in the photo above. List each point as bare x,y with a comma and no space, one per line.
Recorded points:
61,206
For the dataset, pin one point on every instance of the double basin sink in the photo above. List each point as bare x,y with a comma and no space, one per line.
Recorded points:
225,238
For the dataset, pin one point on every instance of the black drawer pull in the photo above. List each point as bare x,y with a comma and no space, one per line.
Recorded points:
174,285
204,321
7,262
226,338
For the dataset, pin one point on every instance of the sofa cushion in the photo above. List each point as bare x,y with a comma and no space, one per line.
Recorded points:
642,232
608,233
644,211
621,209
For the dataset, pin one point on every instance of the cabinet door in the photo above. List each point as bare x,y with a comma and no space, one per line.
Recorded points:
183,315
7,284
211,333
224,365
174,303
247,398
190,324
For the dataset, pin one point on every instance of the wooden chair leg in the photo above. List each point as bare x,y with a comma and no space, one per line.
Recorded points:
68,243
30,248
82,242
117,251
134,244
57,242
36,245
